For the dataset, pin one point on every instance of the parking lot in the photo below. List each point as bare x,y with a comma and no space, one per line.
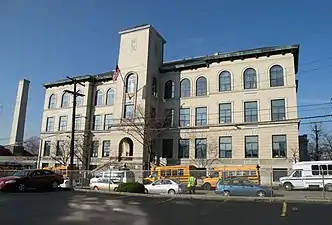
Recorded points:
68,207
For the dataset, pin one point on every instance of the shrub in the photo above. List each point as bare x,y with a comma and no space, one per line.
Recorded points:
132,187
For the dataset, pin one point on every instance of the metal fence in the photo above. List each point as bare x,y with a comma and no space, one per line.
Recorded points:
301,184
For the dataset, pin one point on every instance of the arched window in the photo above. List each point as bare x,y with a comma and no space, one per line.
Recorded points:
169,89
185,88
154,86
225,81
201,86
52,102
65,100
79,99
99,97
110,96
131,83
250,78
276,76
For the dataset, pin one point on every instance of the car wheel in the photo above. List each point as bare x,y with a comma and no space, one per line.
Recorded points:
261,194
328,187
21,187
207,186
95,188
55,185
226,193
288,186
146,191
171,192
115,189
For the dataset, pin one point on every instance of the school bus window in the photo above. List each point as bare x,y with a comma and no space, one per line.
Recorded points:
246,173
238,173
232,173
180,172
329,167
252,173
168,172
214,175
162,173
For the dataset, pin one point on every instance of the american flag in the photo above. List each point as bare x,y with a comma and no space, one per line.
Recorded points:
116,73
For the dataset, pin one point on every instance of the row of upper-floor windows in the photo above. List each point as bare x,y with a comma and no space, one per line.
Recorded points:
61,147
225,84
250,81
62,124
225,115
225,147
101,98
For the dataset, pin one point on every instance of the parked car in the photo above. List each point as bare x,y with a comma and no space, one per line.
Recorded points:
165,186
103,184
234,186
31,179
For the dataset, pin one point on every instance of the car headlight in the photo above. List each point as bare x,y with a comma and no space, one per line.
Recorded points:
10,181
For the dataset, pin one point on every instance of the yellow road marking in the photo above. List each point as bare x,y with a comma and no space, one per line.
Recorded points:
284,209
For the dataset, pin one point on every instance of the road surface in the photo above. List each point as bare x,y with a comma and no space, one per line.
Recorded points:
76,208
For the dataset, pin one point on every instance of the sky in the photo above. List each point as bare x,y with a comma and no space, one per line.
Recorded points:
47,40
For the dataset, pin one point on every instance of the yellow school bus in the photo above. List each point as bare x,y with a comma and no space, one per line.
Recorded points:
64,171
179,173
250,172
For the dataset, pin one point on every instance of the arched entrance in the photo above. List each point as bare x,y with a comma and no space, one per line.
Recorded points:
126,149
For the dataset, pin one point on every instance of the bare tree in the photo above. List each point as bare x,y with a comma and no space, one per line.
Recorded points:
144,127
294,156
320,143
31,145
207,152
82,149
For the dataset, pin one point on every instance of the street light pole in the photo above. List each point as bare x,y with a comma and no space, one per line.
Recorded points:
72,140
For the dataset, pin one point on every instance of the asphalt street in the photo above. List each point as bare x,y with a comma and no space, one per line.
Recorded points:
73,208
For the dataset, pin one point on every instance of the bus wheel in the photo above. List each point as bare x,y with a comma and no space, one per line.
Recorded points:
288,186
207,186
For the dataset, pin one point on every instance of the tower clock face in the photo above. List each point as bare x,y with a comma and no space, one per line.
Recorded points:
133,45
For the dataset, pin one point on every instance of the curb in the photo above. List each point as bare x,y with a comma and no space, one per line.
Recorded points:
211,198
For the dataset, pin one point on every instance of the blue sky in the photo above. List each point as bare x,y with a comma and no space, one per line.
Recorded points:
44,40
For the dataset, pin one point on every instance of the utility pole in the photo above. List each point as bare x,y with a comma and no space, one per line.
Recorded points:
317,133
72,140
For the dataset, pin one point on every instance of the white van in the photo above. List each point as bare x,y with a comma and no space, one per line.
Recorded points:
117,176
310,174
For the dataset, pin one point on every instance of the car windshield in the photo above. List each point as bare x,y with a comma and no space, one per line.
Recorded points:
21,173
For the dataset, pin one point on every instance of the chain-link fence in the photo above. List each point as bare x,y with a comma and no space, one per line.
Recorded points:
291,184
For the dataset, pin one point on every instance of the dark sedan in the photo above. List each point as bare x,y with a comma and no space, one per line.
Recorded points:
31,179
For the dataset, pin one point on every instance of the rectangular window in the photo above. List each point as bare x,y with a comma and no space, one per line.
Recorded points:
225,147
279,146
250,111
78,125
200,148
184,117
94,150
169,117
167,148
47,148
60,148
153,113
201,116
49,124
183,148
251,146
129,111
278,110
108,120
63,123
225,113
106,148
97,122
